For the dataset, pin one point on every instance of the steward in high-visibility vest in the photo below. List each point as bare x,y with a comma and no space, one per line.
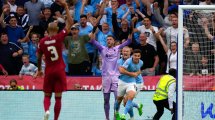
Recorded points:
14,86
164,94
161,92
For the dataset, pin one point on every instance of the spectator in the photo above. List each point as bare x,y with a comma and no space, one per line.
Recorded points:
15,33
148,56
6,14
125,7
78,58
32,48
34,8
85,29
193,61
149,30
14,86
47,18
102,35
120,33
171,33
22,18
27,68
10,55
108,12
205,69
13,5
77,86
171,54
4,72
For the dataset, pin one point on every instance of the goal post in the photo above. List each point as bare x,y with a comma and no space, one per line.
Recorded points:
197,90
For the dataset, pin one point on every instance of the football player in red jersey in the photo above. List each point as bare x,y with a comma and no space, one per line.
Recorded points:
55,76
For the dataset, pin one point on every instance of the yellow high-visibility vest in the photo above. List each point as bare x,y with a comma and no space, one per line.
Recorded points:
162,89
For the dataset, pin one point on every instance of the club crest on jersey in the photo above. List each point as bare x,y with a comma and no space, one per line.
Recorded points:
50,42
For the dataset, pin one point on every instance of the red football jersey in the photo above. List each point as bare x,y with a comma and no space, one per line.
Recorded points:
51,47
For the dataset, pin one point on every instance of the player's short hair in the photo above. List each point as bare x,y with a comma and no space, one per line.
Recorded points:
3,33
136,51
25,55
13,80
83,16
20,6
52,27
11,17
126,47
147,18
46,8
173,72
111,36
173,42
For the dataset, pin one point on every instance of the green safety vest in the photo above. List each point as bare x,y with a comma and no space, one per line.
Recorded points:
162,89
20,88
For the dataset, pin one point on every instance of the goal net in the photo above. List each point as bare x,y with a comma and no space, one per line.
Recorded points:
196,81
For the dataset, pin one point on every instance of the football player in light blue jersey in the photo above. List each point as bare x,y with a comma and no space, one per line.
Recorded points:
126,51
127,83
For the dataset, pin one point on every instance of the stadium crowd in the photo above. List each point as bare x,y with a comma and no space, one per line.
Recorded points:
154,24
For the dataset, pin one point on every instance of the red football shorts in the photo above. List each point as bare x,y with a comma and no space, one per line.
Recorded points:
55,82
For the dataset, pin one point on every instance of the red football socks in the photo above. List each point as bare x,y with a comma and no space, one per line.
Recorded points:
57,107
47,102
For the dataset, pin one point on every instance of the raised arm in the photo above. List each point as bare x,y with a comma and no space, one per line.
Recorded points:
157,14
148,6
116,28
126,14
165,9
96,43
103,5
26,38
3,24
127,42
207,32
163,44
69,21
82,7
140,13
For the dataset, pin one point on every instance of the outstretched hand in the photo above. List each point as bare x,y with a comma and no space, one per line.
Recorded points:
63,3
172,111
40,73
130,36
5,72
